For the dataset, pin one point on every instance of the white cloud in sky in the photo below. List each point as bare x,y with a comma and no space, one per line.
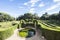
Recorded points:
56,0
32,2
26,4
32,10
53,7
41,4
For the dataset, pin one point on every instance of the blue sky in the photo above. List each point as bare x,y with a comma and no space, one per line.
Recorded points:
19,7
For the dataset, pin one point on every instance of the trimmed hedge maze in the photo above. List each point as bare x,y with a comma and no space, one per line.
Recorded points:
27,22
7,32
49,31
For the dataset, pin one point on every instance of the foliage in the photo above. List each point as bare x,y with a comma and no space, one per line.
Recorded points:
27,32
23,34
28,22
5,17
28,16
7,32
55,16
44,16
50,33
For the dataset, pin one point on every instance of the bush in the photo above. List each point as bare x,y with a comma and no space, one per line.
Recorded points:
5,33
50,33
23,34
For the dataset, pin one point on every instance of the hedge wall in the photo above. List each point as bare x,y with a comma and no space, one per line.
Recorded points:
28,22
5,33
50,33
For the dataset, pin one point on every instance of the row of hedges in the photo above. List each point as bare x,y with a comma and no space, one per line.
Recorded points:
49,23
7,32
50,33
28,22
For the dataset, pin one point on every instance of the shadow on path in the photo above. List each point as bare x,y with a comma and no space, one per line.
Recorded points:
37,36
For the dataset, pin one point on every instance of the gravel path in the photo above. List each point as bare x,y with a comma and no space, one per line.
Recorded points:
37,36
16,37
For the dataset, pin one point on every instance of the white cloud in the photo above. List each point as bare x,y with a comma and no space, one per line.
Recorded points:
32,10
32,2
41,4
53,7
56,0
26,4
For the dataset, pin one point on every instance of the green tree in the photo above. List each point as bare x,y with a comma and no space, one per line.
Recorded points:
5,17
28,16
45,16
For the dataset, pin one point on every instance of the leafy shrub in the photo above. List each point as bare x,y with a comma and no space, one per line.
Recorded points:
23,34
50,33
7,32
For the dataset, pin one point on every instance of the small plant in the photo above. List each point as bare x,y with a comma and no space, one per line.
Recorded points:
23,34
27,32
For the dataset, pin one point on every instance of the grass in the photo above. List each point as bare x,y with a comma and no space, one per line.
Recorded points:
6,25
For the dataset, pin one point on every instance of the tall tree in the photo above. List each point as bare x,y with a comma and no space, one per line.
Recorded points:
5,17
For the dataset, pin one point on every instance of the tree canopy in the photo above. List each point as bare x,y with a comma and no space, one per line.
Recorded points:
5,17
28,16
55,16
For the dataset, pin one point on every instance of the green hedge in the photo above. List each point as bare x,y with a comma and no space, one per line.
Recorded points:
7,32
50,33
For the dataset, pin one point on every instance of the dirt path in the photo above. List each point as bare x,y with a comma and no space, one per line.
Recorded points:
37,36
15,36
